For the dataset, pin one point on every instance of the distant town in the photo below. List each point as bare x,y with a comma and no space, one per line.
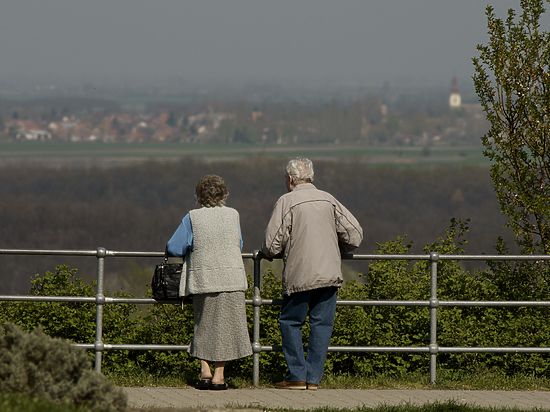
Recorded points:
383,118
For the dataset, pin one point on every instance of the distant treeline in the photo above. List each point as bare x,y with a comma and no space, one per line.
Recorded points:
137,207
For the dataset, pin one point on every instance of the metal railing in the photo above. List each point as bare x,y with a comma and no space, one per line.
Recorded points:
257,301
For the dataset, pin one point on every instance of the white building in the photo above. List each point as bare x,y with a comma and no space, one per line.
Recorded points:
455,100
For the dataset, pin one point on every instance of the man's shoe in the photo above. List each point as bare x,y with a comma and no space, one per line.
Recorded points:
298,385
312,386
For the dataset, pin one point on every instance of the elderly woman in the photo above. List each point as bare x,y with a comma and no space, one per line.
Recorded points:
210,239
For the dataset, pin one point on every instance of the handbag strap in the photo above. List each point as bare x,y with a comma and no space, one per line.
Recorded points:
172,259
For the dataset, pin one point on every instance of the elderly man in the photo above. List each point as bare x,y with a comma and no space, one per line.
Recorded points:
310,229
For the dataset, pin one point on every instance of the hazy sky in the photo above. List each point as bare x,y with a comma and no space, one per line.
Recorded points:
343,40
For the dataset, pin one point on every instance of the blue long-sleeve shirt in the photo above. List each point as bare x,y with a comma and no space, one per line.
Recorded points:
182,240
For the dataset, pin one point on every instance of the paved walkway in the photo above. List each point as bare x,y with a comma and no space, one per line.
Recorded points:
264,398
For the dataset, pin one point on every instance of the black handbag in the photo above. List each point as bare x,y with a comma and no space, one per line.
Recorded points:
165,284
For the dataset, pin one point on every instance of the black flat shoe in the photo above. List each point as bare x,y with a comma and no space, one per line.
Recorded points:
203,384
218,386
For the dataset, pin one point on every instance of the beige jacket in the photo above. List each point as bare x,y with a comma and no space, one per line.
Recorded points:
310,228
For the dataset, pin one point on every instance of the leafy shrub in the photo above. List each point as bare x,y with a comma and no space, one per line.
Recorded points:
354,325
271,363
410,326
167,324
74,321
457,326
69,320
52,369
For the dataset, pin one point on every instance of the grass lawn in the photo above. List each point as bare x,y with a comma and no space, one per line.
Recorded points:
396,156
446,380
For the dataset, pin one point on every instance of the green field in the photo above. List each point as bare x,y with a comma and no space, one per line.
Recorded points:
126,152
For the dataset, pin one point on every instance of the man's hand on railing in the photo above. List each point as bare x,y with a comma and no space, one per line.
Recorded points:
262,255
345,249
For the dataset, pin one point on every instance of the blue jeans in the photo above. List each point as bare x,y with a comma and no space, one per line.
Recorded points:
321,304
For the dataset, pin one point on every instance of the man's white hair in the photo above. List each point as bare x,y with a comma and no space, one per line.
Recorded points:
300,170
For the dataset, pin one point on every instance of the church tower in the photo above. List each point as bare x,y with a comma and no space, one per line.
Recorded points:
455,101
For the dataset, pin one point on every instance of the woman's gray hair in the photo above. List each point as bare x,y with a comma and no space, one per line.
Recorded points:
211,191
300,170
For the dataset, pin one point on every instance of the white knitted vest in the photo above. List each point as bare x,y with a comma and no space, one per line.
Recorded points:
215,264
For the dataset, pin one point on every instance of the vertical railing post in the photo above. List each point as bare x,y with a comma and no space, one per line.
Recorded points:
256,302
99,301
434,303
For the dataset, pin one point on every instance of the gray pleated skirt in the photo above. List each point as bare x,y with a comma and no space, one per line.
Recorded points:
221,331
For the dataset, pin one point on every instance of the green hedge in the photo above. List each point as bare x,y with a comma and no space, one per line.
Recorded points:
354,326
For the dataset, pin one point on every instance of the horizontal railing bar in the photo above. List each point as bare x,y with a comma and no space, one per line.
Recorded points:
445,257
113,300
446,303
424,303
406,349
421,349
144,301
48,252
107,346
23,298
385,257
492,350
383,303
111,253
363,302
494,257
378,349
534,303
115,253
